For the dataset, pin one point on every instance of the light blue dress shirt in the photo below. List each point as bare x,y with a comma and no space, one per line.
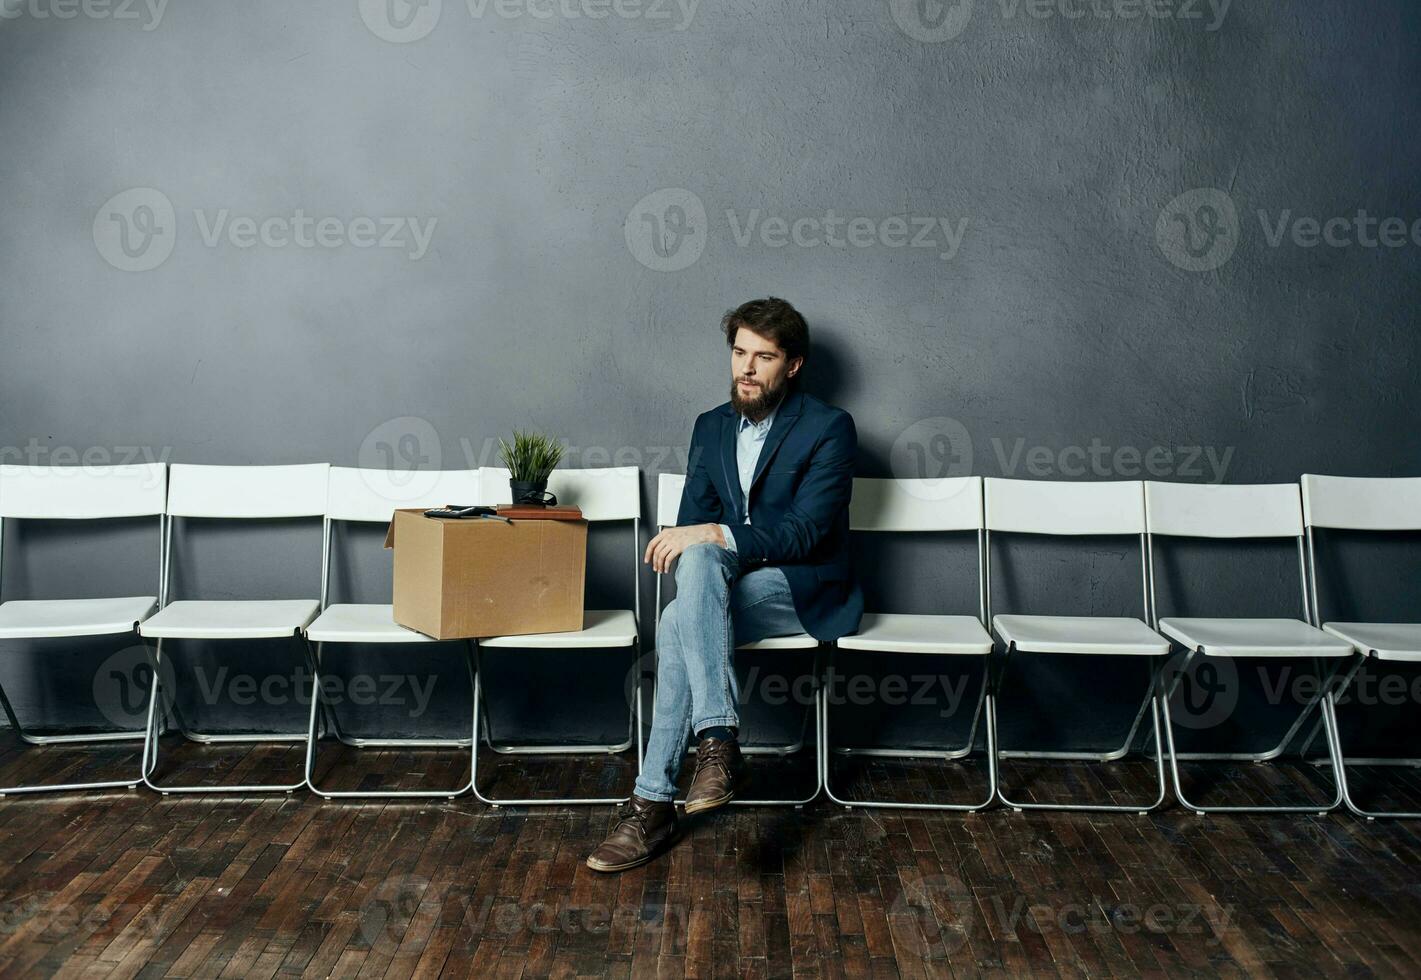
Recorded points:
749,441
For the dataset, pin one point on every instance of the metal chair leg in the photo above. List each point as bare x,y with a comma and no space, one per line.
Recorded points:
95,738
816,707
476,668
1340,761
877,752
1140,809
411,794
150,745
984,700
1320,809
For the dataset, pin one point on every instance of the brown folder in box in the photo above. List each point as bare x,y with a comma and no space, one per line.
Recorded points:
525,512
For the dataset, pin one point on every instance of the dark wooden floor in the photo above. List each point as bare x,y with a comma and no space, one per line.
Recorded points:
136,884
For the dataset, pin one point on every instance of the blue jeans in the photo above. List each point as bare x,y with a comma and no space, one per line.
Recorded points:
716,607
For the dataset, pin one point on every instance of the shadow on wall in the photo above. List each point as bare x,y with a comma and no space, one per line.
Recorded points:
827,379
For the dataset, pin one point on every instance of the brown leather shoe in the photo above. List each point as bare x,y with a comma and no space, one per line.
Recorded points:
646,828
720,771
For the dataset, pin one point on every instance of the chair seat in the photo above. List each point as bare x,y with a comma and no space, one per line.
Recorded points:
904,633
230,619
1254,638
33,618
1080,634
361,623
794,641
600,628
1385,641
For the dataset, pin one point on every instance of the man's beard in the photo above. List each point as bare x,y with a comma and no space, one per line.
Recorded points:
756,407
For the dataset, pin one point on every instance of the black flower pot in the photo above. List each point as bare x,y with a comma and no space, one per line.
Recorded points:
531,493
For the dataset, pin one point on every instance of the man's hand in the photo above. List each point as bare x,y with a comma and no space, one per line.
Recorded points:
667,546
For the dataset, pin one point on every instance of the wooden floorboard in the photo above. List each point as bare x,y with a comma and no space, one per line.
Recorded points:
134,884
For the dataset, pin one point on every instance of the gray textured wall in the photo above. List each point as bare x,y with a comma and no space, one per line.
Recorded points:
1080,241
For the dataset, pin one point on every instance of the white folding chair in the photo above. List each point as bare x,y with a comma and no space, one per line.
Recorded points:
84,493
1236,513
1114,509
920,506
605,494
1374,505
371,497
231,493
669,489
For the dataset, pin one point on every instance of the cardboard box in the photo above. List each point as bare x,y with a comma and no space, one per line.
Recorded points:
456,579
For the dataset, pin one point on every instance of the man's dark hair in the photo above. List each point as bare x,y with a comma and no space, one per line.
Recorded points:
771,318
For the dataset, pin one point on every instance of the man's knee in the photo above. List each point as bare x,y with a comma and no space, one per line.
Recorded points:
701,563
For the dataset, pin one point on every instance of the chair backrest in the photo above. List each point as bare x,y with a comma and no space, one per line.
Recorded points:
877,504
611,493
953,504
1362,503
83,492
1205,510
1052,507
247,491
374,495
669,488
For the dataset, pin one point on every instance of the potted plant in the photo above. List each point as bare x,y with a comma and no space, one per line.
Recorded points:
529,460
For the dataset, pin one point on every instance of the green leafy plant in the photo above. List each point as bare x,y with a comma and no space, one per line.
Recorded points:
531,457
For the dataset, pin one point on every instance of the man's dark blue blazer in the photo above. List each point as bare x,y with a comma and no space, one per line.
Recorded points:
799,504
